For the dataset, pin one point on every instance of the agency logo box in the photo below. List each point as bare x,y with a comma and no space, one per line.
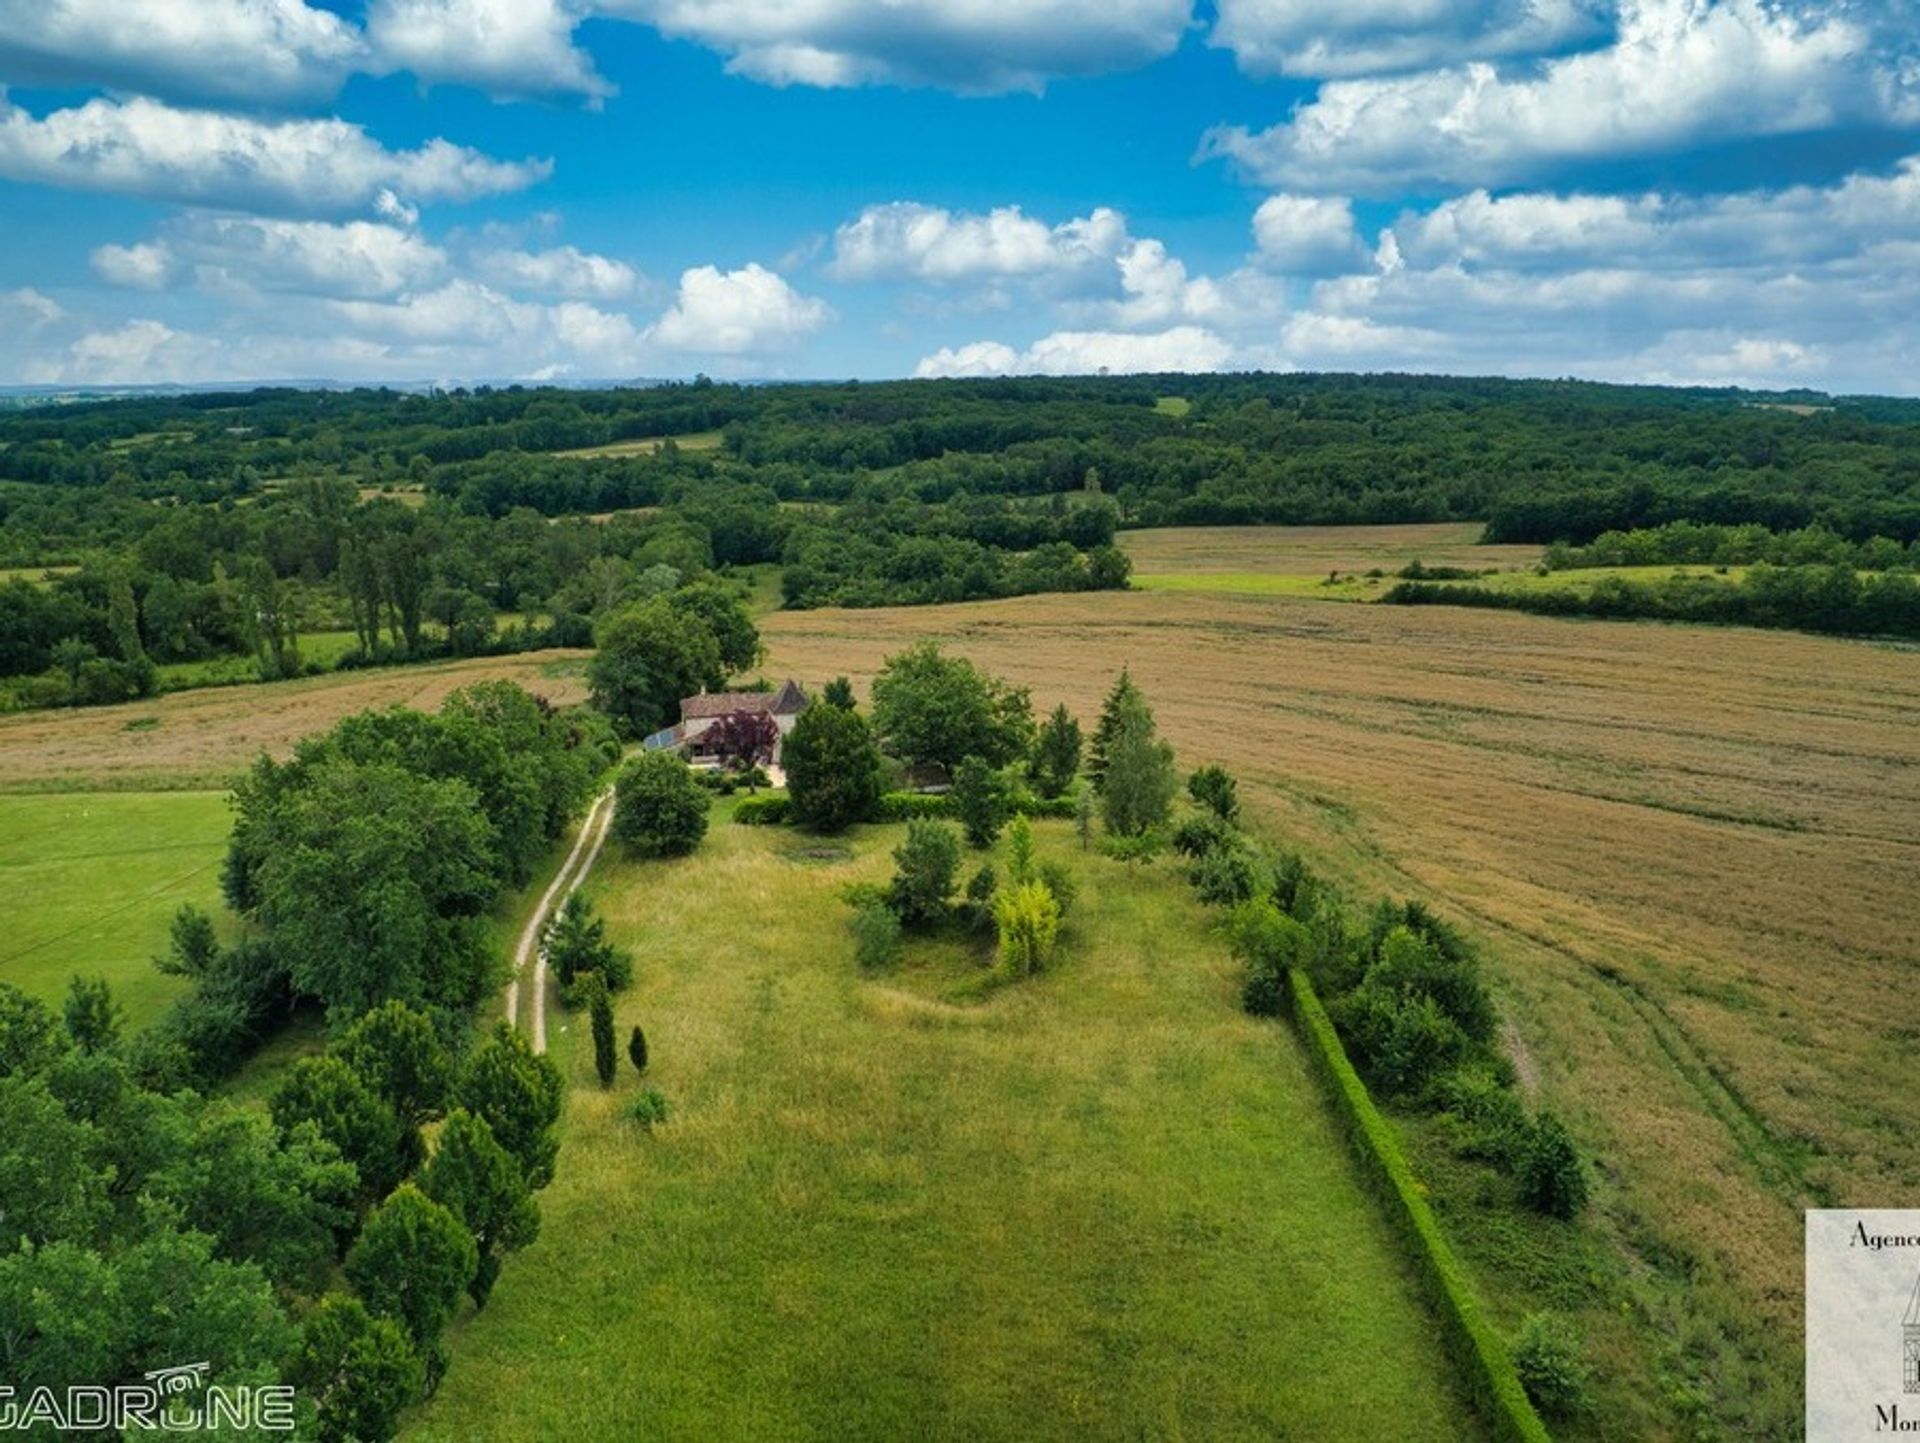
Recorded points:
1863,1324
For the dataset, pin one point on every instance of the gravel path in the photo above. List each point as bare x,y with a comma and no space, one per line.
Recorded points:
593,835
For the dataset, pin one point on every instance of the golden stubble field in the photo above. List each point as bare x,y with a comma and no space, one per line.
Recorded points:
1690,855
207,737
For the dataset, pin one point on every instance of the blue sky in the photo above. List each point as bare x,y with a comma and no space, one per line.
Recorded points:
1687,191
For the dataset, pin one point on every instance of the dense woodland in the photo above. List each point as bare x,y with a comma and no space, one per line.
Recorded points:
410,525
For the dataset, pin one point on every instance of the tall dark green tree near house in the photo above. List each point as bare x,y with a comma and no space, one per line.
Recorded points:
1123,699
1055,759
479,1181
980,801
833,769
649,657
930,709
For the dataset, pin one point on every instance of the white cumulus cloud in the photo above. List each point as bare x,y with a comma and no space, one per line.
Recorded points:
507,48
973,46
561,271
905,238
1366,37
1681,73
143,148
1307,234
734,312
236,50
1083,353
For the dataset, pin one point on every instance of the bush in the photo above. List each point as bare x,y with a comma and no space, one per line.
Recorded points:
923,880
637,1048
648,1108
876,936
833,769
1060,882
1405,1042
1491,1120
659,809
1551,1178
578,944
1269,943
979,897
1225,877
1201,835
763,811
1434,965
1140,847
906,806
1214,788
1546,1355
1028,917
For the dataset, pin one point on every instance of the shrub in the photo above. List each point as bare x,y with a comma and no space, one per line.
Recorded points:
637,1048
1214,788
1492,1121
1546,1355
1405,1041
1028,918
925,865
762,811
905,806
1548,1170
1201,835
578,943
1056,753
1059,881
1142,847
659,809
605,1061
1415,964
833,769
648,1108
979,896
979,800
876,935
1268,942
1225,877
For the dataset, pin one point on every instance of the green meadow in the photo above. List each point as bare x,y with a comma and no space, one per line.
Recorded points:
92,880
1102,1203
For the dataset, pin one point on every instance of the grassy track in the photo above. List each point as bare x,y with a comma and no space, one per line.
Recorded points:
92,880
1102,1204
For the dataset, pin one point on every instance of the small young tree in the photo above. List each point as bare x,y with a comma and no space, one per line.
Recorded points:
637,1048
743,740
980,801
1546,1355
1029,921
833,769
839,692
600,1007
578,944
92,1016
925,865
413,1260
1056,753
876,935
194,945
1020,851
1214,788
1121,699
659,810
1137,790
1083,818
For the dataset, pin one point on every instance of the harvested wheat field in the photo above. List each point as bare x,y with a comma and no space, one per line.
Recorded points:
206,737
1689,853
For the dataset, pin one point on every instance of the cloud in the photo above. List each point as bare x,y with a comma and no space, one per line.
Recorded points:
927,242
561,271
1369,37
143,148
733,312
146,266
229,50
1080,353
1307,234
972,46
1681,74
35,309
509,49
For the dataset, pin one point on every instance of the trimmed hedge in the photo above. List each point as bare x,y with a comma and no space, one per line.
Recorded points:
1473,1344
897,807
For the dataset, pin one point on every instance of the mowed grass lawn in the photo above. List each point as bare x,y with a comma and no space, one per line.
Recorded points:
1100,1204
91,880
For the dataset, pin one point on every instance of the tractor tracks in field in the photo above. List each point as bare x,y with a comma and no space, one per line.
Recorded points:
531,946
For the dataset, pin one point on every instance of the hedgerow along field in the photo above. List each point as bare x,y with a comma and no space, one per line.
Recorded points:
1688,855
1098,1203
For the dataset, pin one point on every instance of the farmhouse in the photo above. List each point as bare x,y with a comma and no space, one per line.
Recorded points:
699,713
